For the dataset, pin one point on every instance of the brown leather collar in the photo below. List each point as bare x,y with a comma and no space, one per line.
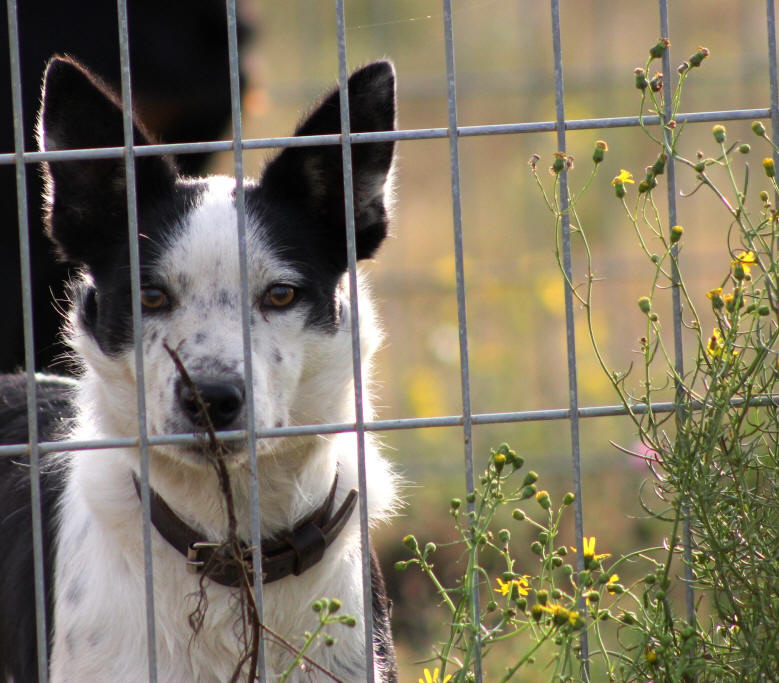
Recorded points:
295,550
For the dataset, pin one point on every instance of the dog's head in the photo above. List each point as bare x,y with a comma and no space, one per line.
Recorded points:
190,265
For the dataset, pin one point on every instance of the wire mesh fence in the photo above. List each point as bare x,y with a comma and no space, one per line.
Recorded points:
24,160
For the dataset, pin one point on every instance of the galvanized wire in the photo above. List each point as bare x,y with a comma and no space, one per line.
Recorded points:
570,334
29,351
462,324
135,286
351,254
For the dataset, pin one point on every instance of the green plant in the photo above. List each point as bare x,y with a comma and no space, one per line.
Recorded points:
713,454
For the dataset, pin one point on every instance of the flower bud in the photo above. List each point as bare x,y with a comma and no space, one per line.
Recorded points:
719,133
568,498
410,542
559,162
656,84
627,618
430,548
764,197
641,82
536,612
768,167
335,605
504,535
527,491
542,596
600,151
758,128
470,497
763,310
536,548
659,48
744,148
699,56
518,514
401,566
455,504
347,620
619,189
592,596
543,499
676,233
658,168
530,478
644,304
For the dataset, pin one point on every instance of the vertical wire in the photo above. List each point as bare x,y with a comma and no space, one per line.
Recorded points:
351,251
573,395
135,285
29,349
240,202
462,324
774,87
570,336
676,300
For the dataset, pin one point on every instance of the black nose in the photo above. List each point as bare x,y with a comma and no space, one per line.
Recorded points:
223,401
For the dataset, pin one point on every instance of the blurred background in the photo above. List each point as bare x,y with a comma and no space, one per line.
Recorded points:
504,64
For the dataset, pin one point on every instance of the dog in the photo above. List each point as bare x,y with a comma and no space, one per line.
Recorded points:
193,361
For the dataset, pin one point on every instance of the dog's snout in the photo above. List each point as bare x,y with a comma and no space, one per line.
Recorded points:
223,401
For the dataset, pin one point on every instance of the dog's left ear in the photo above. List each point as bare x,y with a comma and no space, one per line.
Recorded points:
312,177
86,202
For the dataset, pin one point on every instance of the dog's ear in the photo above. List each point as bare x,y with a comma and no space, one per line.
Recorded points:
86,201
312,177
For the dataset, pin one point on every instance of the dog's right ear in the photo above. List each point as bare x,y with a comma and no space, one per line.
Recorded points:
86,200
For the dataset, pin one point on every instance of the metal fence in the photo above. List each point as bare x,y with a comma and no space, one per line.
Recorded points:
467,418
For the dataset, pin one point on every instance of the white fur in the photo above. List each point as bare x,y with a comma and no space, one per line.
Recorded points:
100,619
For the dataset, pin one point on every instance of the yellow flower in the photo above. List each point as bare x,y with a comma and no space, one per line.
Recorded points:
745,259
715,344
612,580
623,177
712,294
523,587
588,545
433,678
561,614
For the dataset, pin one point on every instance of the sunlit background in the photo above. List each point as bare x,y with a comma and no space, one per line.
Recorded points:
504,63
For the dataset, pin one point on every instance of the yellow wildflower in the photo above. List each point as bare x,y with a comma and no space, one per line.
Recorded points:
523,587
715,344
745,259
623,177
612,580
712,294
433,677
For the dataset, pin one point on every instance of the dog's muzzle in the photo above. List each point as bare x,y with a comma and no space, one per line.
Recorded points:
206,402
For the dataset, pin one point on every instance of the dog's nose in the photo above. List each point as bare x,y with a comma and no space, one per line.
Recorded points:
223,401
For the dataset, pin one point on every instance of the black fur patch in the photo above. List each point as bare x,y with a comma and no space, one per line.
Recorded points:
300,198
18,657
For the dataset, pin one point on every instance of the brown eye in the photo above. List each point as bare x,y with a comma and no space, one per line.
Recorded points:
278,296
153,298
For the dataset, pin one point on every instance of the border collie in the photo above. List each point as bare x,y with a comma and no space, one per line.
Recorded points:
194,381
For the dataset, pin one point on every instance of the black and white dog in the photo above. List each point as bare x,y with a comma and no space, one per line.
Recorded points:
301,374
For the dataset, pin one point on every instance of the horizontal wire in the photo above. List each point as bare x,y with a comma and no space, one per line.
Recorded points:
376,426
383,136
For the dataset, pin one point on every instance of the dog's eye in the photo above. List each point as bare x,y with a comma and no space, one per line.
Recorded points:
153,298
278,296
